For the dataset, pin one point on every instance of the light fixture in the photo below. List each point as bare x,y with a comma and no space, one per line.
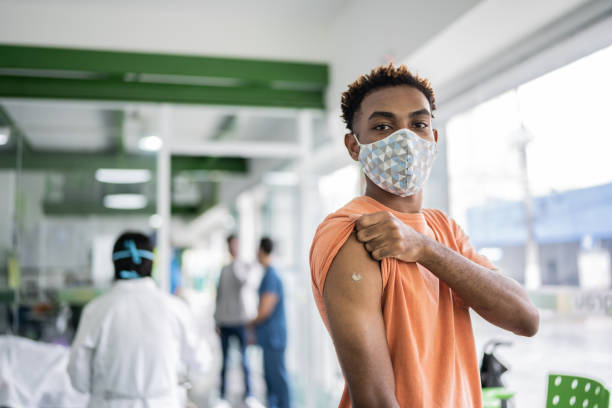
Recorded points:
5,135
155,221
125,201
123,176
150,143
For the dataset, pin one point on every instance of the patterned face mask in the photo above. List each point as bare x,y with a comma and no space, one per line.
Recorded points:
399,163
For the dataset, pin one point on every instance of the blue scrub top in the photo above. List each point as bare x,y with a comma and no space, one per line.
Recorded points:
272,332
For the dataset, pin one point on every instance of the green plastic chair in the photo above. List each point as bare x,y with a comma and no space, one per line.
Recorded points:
493,396
567,391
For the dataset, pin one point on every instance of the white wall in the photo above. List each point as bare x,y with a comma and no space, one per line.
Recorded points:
367,34
480,34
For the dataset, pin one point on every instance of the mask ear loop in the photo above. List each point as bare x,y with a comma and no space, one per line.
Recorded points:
357,140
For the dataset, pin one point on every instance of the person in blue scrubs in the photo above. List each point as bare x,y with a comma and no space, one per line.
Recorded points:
271,328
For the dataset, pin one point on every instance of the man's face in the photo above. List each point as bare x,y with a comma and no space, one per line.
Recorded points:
387,110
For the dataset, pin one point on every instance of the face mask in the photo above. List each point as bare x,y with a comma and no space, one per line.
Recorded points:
399,163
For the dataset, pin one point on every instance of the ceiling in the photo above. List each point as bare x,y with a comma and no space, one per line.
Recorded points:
317,12
311,12
83,126
480,34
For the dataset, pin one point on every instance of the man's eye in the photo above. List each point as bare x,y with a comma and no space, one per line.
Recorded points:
421,125
382,126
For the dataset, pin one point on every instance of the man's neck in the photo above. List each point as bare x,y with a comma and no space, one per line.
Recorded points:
410,204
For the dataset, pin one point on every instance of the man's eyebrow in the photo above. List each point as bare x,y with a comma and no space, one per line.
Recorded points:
423,111
382,114
390,115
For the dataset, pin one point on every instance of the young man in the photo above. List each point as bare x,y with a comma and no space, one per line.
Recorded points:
133,342
271,327
231,314
394,282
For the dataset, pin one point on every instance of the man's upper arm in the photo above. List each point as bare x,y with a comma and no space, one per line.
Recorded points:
269,285
269,294
352,295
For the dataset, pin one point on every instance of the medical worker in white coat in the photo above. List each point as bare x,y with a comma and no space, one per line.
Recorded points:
133,343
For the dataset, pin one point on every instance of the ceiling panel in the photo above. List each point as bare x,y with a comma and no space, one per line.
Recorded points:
57,126
313,11
99,127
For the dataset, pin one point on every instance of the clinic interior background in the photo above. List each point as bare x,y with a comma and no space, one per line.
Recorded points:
523,94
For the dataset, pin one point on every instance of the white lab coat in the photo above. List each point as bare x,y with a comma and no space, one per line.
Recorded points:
131,345
33,375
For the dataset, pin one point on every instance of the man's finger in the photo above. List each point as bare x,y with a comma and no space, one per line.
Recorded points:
380,253
374,244
369,233
367,220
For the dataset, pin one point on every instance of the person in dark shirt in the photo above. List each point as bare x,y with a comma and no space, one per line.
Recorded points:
271,328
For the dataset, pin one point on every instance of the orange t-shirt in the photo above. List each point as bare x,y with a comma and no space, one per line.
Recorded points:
427,325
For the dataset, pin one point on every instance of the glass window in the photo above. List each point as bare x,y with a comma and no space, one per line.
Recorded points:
530,176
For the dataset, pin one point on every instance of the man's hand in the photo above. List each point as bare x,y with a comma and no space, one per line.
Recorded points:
385,236
250,335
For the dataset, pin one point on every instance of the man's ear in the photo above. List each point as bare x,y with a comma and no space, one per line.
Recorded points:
435,133
351,146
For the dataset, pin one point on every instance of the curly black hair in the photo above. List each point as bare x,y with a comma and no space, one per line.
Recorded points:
381,77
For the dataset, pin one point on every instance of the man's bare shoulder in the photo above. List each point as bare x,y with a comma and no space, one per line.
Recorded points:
352,297
353,275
